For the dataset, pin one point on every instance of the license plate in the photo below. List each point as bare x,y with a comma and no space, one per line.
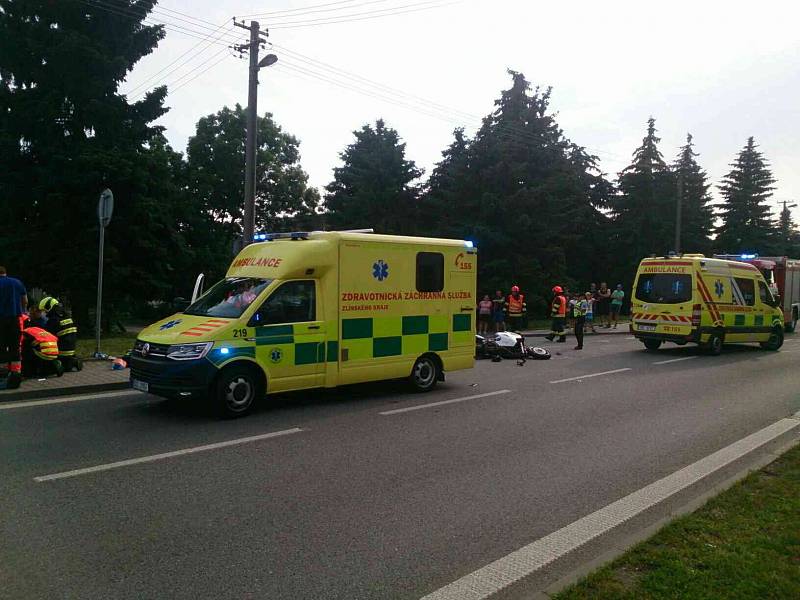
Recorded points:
646,327
142,386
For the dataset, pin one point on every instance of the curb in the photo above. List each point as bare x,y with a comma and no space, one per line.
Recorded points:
56,392
625,330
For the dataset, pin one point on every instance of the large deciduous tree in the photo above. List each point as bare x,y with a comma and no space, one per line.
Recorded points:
374,186
65,134
215,171
747,223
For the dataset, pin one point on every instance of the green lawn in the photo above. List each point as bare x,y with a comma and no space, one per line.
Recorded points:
115,345
743,544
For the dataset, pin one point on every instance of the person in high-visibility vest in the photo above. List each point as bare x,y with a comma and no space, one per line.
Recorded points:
516,309
558,312
60,324
39,353
581,308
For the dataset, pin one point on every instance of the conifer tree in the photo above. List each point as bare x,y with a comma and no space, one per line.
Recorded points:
697,221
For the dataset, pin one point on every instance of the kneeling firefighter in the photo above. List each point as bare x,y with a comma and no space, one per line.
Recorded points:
39,352
60,324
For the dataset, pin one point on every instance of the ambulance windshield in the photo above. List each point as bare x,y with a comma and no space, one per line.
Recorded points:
228,298
664,288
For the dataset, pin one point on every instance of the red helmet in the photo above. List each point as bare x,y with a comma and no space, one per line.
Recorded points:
514,288
557,289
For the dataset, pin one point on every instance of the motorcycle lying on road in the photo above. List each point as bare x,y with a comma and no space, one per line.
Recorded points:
507,344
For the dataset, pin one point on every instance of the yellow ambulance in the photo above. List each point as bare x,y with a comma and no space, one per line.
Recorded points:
707,301
317,309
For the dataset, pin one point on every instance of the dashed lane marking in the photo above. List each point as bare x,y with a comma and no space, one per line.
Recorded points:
66,399
443,402
579,377
505,571
674,360
165,455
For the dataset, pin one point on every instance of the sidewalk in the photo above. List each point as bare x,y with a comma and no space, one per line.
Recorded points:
621,328
96,376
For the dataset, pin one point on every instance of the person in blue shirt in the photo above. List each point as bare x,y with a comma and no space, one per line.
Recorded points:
13,302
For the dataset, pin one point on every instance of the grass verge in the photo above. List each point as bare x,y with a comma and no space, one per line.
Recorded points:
115,345
742,544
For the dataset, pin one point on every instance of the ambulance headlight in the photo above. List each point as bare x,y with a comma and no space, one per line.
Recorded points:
189,351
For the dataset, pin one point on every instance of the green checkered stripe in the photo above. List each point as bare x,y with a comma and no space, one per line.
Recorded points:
744,320
298,353
373,337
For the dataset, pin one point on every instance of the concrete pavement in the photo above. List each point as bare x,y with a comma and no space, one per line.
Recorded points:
356,499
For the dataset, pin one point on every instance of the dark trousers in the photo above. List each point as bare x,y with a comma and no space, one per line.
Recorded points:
10,334
514,322
579,323
557,329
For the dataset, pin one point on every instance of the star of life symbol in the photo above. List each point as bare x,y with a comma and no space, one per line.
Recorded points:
169,324
276,355
719,288
380,270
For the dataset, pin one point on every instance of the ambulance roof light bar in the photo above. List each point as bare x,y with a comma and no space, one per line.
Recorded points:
300,235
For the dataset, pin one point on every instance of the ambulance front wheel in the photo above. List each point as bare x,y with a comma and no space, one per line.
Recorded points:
237,389
775,340
425,374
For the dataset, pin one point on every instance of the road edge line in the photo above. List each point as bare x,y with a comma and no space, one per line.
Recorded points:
66,399
525,561
442,402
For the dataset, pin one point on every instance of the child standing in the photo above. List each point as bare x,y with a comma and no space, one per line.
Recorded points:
590,311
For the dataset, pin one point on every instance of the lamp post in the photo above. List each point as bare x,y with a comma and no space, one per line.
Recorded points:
251,143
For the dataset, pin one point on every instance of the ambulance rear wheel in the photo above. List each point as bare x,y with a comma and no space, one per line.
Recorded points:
425,374
775,340
652,344
237,389
714,344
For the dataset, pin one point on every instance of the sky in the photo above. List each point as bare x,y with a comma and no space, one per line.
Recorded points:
722,71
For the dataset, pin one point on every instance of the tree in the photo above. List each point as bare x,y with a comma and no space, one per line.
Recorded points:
65,134
215,172
526,194
374,187
747,223
644,209
787,242
697,218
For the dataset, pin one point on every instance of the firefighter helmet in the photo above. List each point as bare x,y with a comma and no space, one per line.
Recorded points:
47,303
557,289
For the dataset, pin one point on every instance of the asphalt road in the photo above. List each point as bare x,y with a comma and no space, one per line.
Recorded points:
359,504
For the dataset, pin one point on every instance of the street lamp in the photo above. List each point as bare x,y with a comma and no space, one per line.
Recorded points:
252,124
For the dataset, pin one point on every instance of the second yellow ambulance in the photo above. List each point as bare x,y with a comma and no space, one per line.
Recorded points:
706,301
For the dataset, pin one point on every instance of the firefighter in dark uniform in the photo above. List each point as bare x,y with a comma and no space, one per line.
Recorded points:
60,324
558,312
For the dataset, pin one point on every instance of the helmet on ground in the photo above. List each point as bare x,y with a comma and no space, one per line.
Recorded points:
557,289
514,288
47,303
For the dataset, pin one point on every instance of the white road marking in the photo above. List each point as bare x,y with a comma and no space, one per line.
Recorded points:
65,399
155,457
443,402
579,377
672,360
503,572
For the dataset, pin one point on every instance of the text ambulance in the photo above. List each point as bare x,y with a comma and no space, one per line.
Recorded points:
319,309
691,298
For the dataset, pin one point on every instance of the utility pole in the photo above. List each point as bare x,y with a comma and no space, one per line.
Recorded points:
252,140
678,214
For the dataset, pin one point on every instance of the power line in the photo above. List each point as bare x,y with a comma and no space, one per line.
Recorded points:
307,10
226,55
364,16
155,76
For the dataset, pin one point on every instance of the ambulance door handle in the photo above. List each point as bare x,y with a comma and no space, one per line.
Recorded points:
467,309
252,339
313,326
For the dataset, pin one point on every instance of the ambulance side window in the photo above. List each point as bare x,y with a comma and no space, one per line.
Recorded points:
748,289
292,302
430,271
766,296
